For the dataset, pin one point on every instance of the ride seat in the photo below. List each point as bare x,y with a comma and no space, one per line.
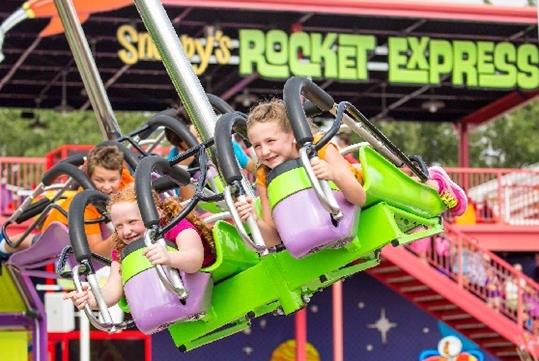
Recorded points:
231,254
152,306
44,249
303,224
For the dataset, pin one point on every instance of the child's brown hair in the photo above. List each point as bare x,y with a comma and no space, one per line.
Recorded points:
170,207
106,156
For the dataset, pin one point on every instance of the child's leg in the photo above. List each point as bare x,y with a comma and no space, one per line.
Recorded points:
6,251
451,193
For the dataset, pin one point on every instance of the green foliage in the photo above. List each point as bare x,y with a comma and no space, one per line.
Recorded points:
508,142
434,142
511,141
21,137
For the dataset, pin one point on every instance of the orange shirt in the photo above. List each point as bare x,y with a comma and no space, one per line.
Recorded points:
90,213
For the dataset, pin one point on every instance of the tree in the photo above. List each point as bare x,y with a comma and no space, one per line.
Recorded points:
49,130
508,142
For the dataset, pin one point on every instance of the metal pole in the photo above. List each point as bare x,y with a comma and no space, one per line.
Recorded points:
185,81
88,69
84,337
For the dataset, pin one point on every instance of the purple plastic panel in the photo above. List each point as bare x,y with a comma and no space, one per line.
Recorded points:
153,307
305,226
48,245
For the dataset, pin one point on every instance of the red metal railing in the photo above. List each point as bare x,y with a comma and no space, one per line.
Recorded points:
508,196
503,287
19,175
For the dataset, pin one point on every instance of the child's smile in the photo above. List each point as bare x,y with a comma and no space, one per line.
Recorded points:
127,221
272,145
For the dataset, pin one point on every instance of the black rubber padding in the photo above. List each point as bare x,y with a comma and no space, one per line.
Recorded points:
294,88
219,105
176,126
35,209
64,168
79,241
223,145
143,185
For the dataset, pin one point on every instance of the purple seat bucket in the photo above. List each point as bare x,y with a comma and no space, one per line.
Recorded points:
305,226
154,307
46,246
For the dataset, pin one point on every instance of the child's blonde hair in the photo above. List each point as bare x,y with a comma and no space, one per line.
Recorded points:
170,207
274,110
270,111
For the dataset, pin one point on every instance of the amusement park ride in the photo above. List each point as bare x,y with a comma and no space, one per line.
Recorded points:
332,241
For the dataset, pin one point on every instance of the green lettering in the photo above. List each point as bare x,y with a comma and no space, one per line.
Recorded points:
398,72
324,54
251,50
504,61
441,59
418,48
362,44
485,62
528,66
276,54
300,52
464,60
347,63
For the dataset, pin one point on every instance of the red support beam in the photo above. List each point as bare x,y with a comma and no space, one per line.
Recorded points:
499,107
415,9
301,335
464,158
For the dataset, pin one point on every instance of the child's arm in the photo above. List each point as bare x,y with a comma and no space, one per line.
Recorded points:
335,168
189,256
266,225
112,291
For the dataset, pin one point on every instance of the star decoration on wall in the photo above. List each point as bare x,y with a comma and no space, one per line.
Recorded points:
383,325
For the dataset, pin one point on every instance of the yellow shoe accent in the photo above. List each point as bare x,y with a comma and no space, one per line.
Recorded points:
449,200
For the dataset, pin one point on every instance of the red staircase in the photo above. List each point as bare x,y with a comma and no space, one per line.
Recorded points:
457,282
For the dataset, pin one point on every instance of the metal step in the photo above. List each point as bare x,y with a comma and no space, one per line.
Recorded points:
427,298
457,316
410,289
400,279
483,335
469,326
446,307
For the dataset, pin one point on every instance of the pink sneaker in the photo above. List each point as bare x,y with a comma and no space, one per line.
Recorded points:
451,194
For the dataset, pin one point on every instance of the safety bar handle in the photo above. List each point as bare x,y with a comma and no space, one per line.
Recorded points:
294,89
79,241
170,277
321,187
144,181
107,325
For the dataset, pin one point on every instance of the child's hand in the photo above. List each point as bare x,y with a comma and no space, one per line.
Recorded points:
157,254
245,208
322,169
79,299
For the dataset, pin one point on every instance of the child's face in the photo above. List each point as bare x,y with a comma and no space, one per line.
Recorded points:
105,180
127,221
272,145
